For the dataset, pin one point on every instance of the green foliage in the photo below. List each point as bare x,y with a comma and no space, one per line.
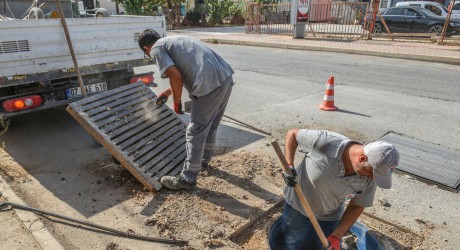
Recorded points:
265,9
266,1
193,17
238,9
140,7
217,10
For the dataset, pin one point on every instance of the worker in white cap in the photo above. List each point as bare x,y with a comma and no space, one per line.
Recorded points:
335,170
190,64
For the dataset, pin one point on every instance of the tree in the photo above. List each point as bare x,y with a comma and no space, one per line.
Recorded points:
218,10
238,12
140,7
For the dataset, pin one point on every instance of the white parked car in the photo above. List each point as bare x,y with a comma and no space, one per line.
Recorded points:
456,9
434,7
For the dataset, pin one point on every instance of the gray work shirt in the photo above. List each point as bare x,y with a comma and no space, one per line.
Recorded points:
202,69
322,176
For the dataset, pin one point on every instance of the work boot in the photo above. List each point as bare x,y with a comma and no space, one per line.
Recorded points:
176,183
205,166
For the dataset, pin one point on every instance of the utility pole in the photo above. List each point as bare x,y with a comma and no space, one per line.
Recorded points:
446,24
117,8
375,8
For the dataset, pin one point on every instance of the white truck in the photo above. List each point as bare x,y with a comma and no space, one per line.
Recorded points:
36,67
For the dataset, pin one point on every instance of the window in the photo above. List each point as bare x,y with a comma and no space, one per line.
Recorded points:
409,12
415,5
393,12
433,9
456,7
384,4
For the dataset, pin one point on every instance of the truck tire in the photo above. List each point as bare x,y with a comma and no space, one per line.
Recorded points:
101,12
36,13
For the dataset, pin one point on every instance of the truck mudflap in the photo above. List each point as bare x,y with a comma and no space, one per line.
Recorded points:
147,139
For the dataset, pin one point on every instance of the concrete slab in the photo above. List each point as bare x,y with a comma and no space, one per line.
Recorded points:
429,162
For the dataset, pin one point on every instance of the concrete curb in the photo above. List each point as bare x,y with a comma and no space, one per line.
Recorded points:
416,57
31,221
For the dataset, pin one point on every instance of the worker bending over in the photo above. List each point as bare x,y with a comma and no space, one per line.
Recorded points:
207,77
335,169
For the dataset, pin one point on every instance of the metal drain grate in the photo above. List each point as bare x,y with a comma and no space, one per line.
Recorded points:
147,139
427,161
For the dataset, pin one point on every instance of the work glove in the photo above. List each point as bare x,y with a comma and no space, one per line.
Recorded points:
290,179
334,242
178,107
161,99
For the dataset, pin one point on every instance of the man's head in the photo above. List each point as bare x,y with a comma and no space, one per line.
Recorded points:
383,158
147,39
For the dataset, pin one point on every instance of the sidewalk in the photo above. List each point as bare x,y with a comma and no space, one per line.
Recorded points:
403,50
22,229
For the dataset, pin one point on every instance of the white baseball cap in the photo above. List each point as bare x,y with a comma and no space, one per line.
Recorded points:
384,159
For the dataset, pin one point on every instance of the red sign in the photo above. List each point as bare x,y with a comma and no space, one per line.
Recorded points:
302,11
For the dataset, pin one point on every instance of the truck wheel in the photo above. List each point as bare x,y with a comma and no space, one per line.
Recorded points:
101,12
36,13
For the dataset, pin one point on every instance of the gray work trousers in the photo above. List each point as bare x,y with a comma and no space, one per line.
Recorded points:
206,114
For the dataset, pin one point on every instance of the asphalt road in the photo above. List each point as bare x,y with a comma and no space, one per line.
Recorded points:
374,94
275,90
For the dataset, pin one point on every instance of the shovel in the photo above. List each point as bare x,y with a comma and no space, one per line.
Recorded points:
299,193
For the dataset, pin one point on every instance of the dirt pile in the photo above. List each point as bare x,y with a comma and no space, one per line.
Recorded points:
235,189
239,188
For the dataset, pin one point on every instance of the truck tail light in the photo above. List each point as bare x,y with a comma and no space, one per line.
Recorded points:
146,79
22,103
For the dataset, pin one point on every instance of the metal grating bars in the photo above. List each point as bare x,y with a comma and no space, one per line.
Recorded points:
148,140
14,46
427,161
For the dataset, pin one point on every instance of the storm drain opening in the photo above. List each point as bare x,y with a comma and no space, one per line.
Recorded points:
427,162
148,140
369,232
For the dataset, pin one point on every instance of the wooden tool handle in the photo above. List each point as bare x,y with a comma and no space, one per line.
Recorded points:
299,193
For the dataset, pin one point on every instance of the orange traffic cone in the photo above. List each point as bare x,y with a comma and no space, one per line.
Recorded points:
328,102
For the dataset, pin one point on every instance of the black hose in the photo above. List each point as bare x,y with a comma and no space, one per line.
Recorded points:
10,205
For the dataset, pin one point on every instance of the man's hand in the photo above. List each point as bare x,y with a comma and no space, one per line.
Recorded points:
178,107
290,179
162,99
334,242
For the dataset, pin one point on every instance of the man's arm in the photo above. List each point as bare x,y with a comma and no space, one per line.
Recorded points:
176,83
290,145
350,216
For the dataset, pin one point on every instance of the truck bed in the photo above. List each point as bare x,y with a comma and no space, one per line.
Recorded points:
33,47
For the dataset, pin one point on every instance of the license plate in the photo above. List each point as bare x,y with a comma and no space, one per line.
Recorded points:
93,88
